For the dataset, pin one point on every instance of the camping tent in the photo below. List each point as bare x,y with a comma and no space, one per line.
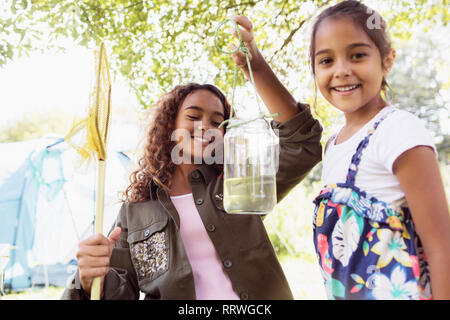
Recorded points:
47,206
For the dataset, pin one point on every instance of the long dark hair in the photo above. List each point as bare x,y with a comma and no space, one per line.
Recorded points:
155,164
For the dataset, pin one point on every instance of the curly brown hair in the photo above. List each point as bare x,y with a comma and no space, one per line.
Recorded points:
155,164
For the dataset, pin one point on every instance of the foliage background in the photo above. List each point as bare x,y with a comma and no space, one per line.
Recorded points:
157,44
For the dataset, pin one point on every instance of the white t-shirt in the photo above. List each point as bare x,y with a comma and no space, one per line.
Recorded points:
397,133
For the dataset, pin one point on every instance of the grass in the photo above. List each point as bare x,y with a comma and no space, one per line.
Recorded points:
37,293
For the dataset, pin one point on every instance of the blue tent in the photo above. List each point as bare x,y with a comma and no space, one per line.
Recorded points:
46,207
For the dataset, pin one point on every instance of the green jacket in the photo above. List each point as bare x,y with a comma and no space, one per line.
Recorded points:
149,255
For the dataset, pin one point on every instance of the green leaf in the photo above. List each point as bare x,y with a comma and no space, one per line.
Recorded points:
338,288
365,248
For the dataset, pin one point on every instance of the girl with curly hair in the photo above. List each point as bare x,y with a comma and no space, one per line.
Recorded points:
172,238
156,163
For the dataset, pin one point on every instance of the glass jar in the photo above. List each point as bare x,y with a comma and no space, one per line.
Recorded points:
251,152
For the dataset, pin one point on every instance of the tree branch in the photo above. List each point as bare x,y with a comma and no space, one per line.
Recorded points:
249,3
294,31
287,40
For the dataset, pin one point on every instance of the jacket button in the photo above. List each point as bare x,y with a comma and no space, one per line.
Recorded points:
210,227
146,233
244,296
199,201
227,263
195,175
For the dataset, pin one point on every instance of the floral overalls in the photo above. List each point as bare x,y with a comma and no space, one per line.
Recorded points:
365,249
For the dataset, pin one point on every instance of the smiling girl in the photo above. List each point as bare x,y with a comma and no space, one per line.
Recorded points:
381,223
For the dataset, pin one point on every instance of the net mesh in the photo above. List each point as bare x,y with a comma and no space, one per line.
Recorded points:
89,135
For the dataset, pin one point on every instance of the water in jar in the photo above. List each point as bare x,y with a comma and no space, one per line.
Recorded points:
250,194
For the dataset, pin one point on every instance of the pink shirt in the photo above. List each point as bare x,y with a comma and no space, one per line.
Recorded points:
211,283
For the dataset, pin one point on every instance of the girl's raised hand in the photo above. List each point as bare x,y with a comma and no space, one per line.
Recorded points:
246,29
275,96
94,254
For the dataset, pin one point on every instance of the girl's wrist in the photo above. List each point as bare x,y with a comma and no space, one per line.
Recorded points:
257,63
257,60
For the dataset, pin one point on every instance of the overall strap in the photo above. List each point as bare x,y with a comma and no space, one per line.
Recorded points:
356,158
